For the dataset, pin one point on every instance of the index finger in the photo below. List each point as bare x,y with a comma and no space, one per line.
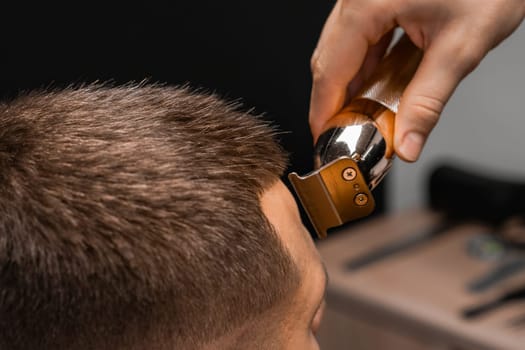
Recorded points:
340,53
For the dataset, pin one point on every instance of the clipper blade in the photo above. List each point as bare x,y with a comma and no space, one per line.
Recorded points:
334,194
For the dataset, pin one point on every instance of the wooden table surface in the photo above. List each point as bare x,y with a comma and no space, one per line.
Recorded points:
424,289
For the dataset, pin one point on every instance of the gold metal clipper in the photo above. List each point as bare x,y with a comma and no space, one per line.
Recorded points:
355,152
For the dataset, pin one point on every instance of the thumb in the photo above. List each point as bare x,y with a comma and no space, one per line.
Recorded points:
443,66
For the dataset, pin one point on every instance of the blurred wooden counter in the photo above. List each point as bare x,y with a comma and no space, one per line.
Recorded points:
414,299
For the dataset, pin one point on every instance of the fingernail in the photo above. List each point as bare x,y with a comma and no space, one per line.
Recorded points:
411,146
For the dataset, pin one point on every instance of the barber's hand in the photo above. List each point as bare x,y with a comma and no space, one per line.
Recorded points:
454,34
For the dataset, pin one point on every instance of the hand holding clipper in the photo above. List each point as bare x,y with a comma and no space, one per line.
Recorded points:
355,151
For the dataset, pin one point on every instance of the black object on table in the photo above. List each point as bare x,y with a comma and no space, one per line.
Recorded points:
504,299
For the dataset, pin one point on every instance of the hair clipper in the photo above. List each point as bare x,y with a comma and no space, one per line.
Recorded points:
356,150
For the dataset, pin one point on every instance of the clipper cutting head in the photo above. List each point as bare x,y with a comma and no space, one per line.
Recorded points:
351,162
334,194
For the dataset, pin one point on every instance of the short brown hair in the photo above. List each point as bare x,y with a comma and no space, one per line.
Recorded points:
129,214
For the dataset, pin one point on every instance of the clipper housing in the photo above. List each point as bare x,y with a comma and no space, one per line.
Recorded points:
355,152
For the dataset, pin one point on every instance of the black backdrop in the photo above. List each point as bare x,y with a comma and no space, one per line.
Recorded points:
255,51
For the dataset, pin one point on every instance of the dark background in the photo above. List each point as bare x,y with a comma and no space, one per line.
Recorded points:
255,51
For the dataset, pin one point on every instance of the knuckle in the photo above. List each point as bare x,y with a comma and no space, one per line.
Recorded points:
378,9
468,54
426,110
316,67
470,58
312,122
314,61
369,15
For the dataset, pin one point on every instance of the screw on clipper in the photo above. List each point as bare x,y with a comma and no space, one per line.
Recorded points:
349,174
361,199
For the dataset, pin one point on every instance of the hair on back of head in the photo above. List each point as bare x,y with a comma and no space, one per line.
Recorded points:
130,218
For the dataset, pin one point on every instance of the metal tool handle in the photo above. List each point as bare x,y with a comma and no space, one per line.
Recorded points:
392,75
385,88
389,80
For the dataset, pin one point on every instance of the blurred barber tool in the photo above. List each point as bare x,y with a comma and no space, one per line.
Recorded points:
454,192
503,300
497,275
505,247
402,245
487,247
355,152
517,322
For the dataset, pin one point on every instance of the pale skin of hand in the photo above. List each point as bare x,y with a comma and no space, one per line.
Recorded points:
455,36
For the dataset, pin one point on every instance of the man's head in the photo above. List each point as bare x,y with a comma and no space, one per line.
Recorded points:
147,217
